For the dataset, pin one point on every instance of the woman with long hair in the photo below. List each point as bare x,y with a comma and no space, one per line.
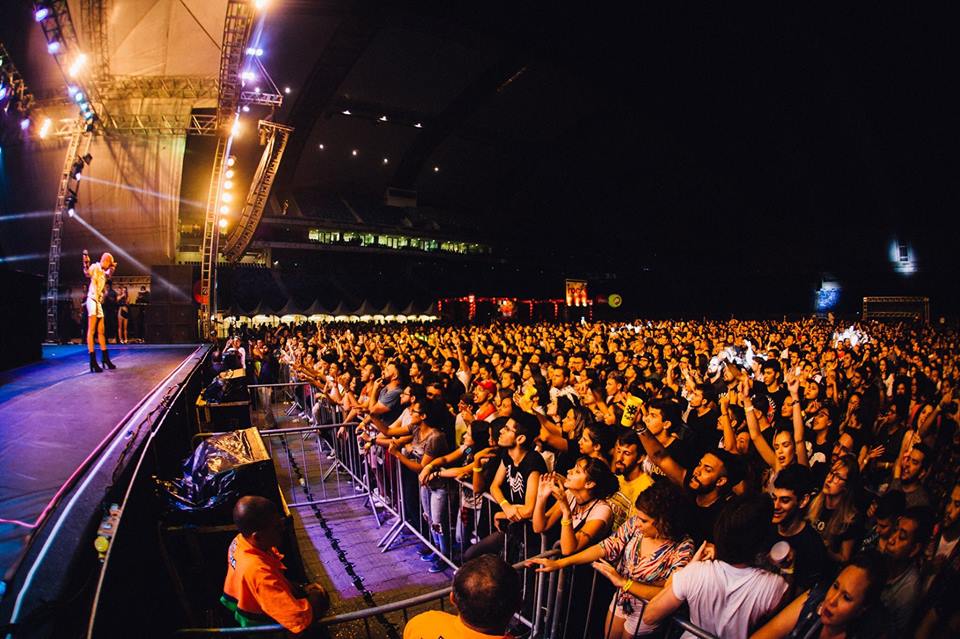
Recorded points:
841,607
580,504
647,549
123,310
99,273
834,513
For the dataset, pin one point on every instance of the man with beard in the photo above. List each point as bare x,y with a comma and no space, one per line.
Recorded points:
627,460
710,484
909,476
791,494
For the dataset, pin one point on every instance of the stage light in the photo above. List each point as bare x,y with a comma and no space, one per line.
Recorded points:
228,185
227,198
346,112
386,160
79,62
70,203
45,128
259,52
24,124
231,161
53,47
418,126
223,224
72,90
260,4
321,147
41,14
436,169
254,51
354,153
3,92
256,90
224,209
229,174
235,129
87,159
286,90
78,97
246,108
248,76
382,118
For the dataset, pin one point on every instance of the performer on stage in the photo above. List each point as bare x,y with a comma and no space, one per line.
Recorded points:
98,274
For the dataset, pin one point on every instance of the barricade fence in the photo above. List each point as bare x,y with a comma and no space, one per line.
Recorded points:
327,460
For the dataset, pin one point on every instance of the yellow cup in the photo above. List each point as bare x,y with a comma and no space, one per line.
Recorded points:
630,411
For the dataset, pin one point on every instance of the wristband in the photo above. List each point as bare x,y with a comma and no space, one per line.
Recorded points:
626,587
478,469
564,522
503,502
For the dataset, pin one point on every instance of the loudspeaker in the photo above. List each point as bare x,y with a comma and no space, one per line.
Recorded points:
168,323
171,283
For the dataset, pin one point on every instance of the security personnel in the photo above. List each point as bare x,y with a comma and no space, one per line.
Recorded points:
256,590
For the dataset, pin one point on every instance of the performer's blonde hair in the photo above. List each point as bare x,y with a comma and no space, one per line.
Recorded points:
105,256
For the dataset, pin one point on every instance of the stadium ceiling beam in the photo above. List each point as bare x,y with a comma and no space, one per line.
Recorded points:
350,39
490,81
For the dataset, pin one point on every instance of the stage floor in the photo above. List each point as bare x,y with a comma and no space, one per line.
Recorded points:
54,413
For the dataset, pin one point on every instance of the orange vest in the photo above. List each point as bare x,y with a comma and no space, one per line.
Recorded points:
256,584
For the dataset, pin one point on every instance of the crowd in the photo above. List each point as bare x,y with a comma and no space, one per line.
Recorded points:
776,478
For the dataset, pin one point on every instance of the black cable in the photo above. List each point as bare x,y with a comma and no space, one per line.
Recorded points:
348,566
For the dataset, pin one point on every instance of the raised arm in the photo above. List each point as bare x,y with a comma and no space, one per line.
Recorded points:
766,453
655,450
793,385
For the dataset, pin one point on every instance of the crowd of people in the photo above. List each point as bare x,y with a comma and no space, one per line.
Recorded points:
776,478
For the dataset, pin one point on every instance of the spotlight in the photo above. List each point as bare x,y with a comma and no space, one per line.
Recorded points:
87,159
386,160
231,161
78,97
346,112
436,169
3,91
247,76
227,197
70,202
229,174
259,52
24,124
228,185
382,118
235,129
246,108
53,47
41,14
45,128
418,126
321,147
354,153
286,90
223,223
224,209
260,4
77,65
72,90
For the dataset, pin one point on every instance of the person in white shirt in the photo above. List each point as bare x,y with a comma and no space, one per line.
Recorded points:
99,273
727,596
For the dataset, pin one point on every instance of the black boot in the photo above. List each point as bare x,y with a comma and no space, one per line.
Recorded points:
94,367
106,361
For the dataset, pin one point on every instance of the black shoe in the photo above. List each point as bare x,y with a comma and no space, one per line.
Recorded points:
106,361
94,367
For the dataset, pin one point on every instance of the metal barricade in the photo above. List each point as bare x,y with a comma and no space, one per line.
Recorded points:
281,405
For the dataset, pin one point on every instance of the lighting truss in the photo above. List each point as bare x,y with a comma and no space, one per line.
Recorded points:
14,83
236,32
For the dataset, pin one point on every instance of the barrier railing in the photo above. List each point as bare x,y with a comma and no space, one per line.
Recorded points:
330,462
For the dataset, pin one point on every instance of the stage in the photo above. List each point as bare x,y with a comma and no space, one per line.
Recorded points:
54,414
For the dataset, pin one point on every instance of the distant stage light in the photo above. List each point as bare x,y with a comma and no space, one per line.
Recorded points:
260,4
231,161
24,124
228,185
259,52
246,108
72,90
78,97
224,209
227,198
254,51
436,169
286,90
354,153
41,14
229,174
45,127
346,112
53,47
418,126
235,129
321,147
248,76
386,160
382,118
223,224
3,92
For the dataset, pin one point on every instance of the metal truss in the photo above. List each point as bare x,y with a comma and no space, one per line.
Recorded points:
68,185
264,99
209,249
242,234
58,28
173,87
14,82
161,124
236,32
93,17
895,307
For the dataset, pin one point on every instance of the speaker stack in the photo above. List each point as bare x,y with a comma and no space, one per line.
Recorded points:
171,316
